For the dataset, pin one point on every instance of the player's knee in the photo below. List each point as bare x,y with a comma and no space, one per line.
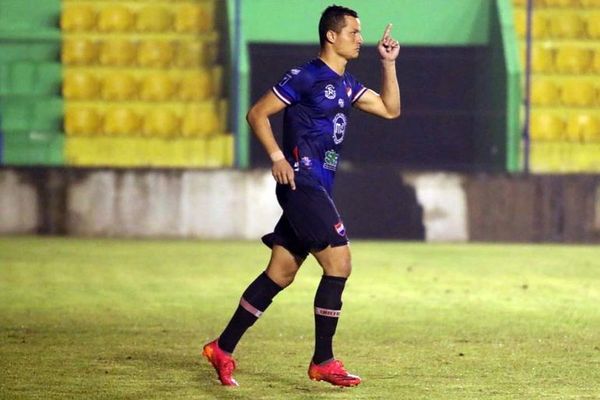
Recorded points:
341,268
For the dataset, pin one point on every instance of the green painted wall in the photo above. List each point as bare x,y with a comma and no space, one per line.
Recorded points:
416,22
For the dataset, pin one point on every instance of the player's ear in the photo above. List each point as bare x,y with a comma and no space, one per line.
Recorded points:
330,36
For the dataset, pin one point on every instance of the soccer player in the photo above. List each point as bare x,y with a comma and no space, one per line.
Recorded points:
317,98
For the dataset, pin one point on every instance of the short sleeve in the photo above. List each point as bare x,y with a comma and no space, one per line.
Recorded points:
358,89
294,84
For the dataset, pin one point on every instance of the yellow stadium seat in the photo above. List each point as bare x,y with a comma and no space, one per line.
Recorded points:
80,85
578,93
161,122
566,25
155,53
154,19
546,126
157,87
596,61
543,92
593,25
539,28
573,59
590,3
560,3
81,121
196,85
119,86
542,58
121,121
115,18
77,17
117,52
199,120
78,51
584,127
195,18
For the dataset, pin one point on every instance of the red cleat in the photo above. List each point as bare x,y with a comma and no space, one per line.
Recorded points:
223,362
332,372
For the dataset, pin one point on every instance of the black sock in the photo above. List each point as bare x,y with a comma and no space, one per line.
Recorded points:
253,303
328,305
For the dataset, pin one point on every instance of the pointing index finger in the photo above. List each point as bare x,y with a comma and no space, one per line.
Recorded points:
388,29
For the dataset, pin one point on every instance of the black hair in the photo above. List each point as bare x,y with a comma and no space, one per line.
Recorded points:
332,19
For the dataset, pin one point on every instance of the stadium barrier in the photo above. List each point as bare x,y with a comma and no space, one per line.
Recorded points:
380,204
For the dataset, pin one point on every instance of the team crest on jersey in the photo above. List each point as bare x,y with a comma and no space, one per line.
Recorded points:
341,103
340,229
330,92
339,128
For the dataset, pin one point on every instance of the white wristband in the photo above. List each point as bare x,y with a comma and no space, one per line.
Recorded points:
276,155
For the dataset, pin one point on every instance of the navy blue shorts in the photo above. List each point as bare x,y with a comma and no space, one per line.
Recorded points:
310,221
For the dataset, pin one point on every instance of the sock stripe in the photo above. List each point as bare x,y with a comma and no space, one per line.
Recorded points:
325,312
250,308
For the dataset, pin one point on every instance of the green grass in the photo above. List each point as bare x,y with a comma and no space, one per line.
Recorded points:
108,319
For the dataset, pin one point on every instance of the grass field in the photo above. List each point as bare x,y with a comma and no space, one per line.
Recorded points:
108,319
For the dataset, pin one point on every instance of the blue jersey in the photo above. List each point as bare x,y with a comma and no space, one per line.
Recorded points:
315,120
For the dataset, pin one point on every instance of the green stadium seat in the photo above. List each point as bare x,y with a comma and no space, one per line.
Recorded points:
17,113
47,115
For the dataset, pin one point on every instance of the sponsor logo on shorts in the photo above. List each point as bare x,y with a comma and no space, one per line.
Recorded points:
331,160
340,229
330,92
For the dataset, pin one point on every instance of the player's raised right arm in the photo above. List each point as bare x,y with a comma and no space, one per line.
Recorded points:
258,118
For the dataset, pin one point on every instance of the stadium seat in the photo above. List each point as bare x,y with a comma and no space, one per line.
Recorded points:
566,25
155,53
578,93
117,52
543,92
154,19
195,17
571,59
593,25
80,85
196,85
157,86
542,58
539,28
81,121
121,121
583,127
78,51
596,61
546,126
590,3
560,3
199,120
115,18
77,17
161,122
119,86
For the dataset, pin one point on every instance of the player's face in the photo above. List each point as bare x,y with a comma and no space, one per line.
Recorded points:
349,39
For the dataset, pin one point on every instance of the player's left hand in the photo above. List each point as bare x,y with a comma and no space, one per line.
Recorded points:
388,47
